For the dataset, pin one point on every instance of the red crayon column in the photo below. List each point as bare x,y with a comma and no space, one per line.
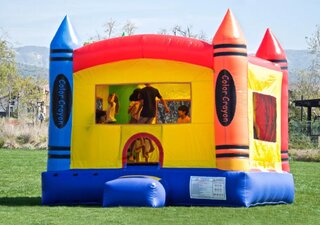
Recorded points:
270,49
231,96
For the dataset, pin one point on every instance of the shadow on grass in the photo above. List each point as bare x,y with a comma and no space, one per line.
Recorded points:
36,201
20,201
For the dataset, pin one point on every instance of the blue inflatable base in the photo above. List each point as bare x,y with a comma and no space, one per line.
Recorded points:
134,191
186,187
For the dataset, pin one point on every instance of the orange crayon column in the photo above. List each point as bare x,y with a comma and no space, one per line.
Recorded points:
231,96
270,49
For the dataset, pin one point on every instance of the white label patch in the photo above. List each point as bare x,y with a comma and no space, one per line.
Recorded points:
213,188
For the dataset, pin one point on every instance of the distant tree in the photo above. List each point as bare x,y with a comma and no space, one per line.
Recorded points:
187,31
129,28
163,31
24,92
112,28
8,74
314,47
31,96
308,81
308,87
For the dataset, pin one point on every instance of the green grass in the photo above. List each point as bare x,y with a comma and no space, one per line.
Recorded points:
20,197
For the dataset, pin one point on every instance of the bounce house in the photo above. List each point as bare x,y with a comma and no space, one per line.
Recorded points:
232,151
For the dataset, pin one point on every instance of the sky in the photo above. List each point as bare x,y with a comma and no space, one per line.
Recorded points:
34,22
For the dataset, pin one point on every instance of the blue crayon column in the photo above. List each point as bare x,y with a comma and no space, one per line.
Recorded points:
61,91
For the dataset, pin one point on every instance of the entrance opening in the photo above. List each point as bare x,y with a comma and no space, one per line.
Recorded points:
142,149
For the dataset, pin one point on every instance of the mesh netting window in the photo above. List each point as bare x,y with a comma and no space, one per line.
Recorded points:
264,117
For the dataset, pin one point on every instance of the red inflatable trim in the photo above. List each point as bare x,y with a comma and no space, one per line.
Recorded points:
264,63
149,46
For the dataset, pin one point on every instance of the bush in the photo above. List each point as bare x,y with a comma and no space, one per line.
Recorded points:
18,134
301,141
309,155
298,138
1,142
23,139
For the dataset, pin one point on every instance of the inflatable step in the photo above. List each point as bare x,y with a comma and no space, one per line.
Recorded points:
134,191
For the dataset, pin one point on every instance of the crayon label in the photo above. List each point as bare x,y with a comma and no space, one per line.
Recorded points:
61,101
226,98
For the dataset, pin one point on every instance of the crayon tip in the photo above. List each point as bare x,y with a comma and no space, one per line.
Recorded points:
270,48
65,37
229,31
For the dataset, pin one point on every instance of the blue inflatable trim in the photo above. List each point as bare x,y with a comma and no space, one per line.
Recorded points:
205,187
134,191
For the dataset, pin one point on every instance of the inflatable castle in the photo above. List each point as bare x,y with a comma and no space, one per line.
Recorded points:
233,152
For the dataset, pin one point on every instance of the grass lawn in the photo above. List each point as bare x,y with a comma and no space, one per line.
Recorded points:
20,197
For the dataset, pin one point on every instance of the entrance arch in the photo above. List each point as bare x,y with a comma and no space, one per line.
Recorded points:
137,136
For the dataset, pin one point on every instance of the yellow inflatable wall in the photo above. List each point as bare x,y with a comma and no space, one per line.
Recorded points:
264,154
184,145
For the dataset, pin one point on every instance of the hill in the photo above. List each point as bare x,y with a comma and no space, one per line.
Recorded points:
34,60
298,60
33,55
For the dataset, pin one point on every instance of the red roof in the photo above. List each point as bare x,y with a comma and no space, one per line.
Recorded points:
150,46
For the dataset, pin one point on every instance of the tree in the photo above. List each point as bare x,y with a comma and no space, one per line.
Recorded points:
129,28
24,92
308,81
314,48
163,31
31,96
110,28
8,75
307,85
187,31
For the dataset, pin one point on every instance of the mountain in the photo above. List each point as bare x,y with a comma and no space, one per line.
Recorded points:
33,55
35,71
298,60
34,60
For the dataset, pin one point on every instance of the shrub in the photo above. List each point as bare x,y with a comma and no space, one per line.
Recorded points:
298,138
309,155
20,134
23,138
1,142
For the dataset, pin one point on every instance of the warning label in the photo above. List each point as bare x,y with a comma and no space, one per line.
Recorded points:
213,188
